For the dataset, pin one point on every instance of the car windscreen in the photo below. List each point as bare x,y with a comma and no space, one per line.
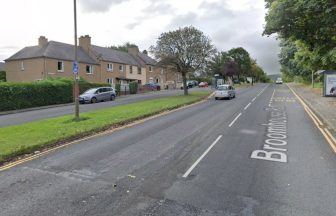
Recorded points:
222,88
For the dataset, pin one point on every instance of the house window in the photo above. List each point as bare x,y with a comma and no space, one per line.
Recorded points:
121,68
110,81
179,78
131,69
162,70
60,66
150,69
109,67
139,70
151,80
22,65
89,69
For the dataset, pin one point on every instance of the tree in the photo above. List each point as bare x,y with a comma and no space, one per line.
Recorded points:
185,50
124,47
307,30
243,60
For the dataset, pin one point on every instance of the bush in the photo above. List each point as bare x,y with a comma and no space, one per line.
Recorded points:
3,76
14,96
117,88
133,87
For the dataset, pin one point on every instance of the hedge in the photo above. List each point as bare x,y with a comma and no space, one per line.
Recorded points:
2,76
14,96
133,86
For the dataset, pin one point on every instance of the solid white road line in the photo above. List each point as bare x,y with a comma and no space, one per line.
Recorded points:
247,106
200,158
234,120
254,99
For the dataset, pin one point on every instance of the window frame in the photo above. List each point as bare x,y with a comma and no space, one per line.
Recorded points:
90,69
22,65
109,68
62,63
131,69
122,68
109,81
150,68
139,71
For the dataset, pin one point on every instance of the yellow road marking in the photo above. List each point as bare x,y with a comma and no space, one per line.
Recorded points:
24,160
319,124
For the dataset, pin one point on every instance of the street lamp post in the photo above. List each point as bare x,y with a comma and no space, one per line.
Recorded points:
76,91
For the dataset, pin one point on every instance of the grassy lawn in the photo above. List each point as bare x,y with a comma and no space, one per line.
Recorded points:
26,138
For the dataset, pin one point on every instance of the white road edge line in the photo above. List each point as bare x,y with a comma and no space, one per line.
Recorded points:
254,99
202,156
247,106
234,120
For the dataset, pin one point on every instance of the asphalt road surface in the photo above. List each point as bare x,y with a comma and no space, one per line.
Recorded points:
28,116
258,154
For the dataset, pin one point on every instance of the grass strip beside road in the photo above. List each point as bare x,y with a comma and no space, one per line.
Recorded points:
29,137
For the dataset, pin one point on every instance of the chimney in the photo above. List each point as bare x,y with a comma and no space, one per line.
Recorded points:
85,43
42,41
134,50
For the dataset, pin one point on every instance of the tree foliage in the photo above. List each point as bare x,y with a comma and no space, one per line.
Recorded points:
124,47
236,63
185,50
307,30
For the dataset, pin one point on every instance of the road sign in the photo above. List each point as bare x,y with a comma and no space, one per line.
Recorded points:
75,68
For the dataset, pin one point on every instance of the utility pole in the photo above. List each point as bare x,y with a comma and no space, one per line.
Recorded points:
75,69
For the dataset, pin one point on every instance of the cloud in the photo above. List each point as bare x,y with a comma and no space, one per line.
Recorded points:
131,26
99,5
234,28
158,8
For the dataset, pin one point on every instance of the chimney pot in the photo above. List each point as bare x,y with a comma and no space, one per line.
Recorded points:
42,41
85,42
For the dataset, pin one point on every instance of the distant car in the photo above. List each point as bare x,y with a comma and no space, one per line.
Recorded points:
95,95
225,91
189,85
278,81
203,85
152,86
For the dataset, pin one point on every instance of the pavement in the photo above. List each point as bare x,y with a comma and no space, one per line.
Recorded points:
324,106
258,154
51,112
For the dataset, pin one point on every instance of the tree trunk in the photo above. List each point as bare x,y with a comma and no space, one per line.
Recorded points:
185,87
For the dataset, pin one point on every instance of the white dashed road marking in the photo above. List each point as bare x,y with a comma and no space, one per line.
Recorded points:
234,120
202,156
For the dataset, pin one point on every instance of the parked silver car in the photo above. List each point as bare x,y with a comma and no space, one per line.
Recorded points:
225,91
97,94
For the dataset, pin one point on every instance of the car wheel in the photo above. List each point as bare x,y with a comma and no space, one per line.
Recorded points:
216,98
112,97
94,100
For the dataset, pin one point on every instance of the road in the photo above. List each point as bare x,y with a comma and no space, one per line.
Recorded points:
34,115
197,161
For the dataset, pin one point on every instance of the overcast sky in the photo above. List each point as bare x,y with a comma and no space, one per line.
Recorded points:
230,23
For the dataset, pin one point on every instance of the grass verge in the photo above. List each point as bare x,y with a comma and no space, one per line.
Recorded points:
29,137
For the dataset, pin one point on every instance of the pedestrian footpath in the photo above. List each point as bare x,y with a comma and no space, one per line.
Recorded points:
325,107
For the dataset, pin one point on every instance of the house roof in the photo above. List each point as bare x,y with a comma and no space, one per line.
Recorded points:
53,49
63,51
111,55
145,58
2,66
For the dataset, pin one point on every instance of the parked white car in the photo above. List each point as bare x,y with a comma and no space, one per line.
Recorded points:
225,91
